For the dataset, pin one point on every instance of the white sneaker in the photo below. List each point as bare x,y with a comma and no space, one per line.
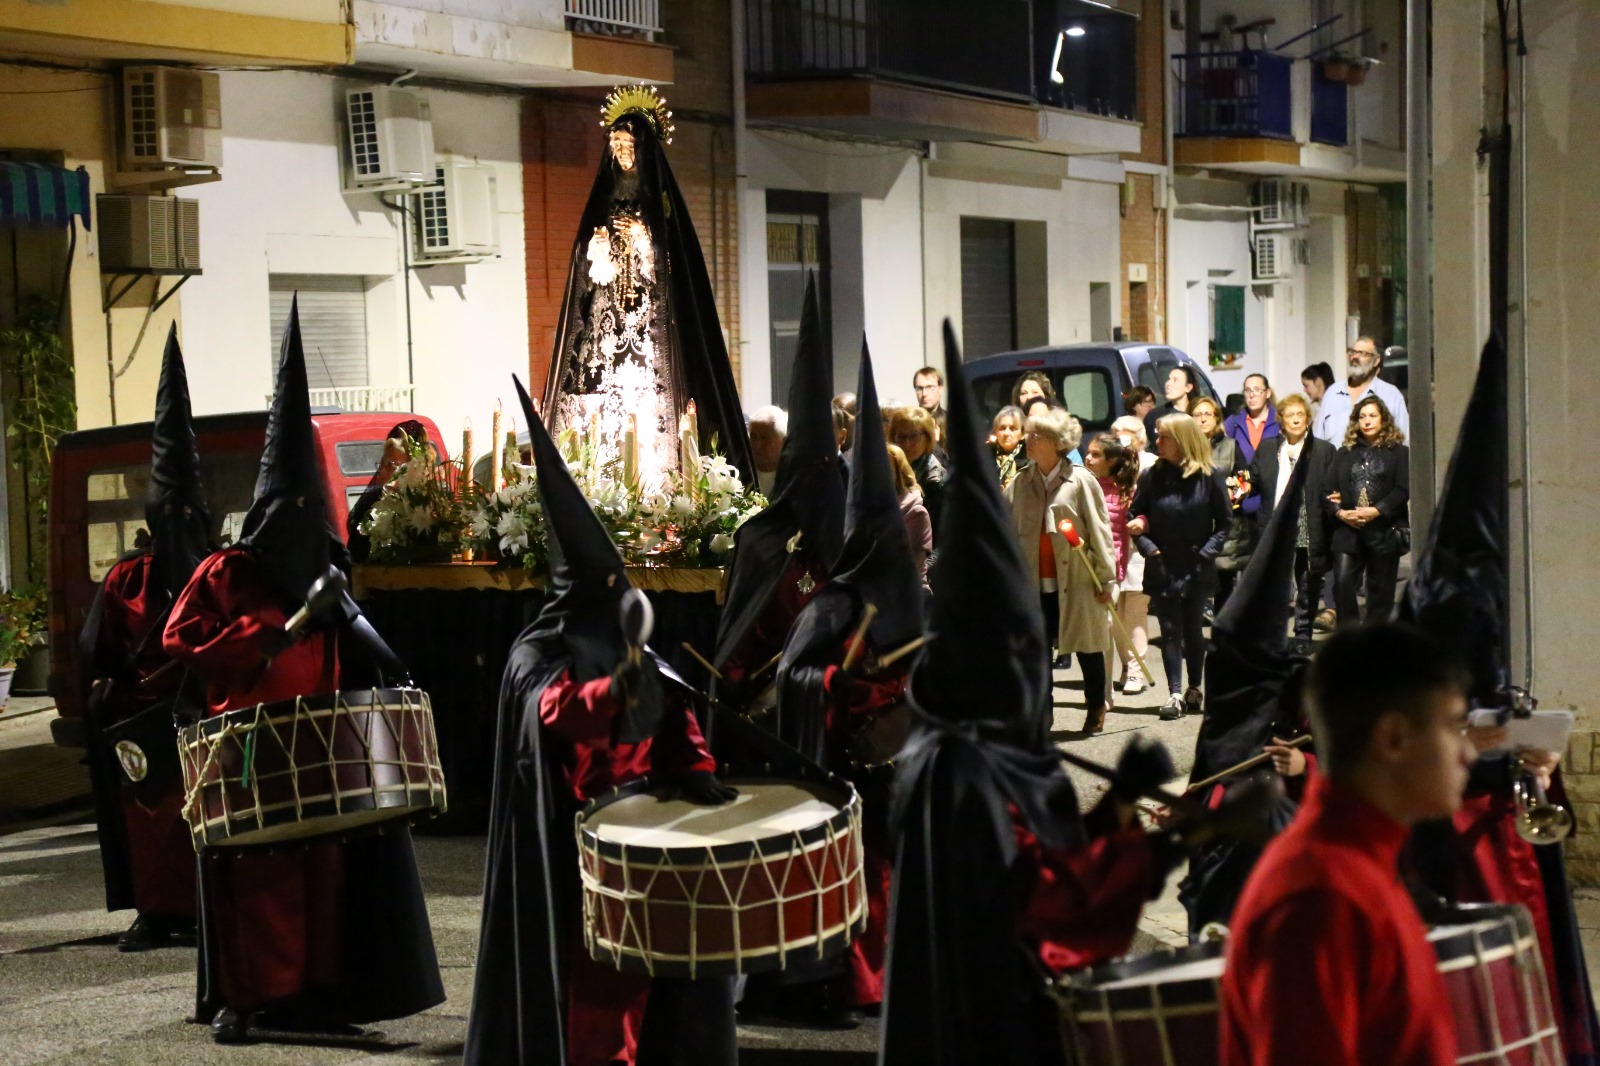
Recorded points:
1132,685
1172,710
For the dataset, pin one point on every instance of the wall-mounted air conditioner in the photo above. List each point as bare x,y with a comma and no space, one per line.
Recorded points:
457,217
1272,257
388,140
171,117
147,233
1279,202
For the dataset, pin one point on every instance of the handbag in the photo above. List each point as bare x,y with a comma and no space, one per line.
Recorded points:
1400,537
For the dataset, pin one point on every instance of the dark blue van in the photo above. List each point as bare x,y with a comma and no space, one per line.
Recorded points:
1089,378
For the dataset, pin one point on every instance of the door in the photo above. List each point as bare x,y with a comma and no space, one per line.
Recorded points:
988,286
797,243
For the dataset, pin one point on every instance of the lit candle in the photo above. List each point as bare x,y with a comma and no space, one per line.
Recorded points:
509,452
689,443
497,474
466,454
630,452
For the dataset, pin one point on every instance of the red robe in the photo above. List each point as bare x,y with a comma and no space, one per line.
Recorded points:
1083,904
851,705
1329,962
276,916
765,638
160,849
605,1007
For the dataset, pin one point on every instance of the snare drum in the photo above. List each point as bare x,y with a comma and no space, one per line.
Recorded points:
684,890
1154,1010
310,767
1490,961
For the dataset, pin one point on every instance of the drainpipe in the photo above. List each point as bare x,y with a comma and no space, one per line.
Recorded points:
1526,413
741,180
1419,280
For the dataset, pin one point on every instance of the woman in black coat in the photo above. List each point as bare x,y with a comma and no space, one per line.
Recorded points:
1274,461
1180,516
1371,530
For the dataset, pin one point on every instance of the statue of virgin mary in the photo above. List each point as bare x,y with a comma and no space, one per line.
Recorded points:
639,338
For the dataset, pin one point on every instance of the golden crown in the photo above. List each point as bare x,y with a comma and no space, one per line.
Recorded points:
639,100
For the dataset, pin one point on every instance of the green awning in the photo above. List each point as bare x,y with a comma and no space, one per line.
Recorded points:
37,194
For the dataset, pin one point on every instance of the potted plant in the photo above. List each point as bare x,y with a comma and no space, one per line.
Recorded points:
1357,72
1336,66
22,622
40,407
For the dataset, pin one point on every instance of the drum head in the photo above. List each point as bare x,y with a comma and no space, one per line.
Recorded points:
762,809
1185,976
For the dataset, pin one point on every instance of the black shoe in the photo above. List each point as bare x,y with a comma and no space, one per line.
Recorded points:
150,931
1172,710
230,1026
1063,662
1192,702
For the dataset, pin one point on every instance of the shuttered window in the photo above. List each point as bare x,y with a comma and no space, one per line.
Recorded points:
333,325
988,286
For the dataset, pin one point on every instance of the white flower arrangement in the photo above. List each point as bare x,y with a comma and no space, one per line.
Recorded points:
419,517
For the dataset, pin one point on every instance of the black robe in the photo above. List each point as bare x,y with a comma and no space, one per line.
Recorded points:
532,905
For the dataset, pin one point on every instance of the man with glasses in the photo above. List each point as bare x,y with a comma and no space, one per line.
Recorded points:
1362,375
929,386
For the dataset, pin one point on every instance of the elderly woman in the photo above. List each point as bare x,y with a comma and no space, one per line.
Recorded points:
1075,593
1180,516
1133,606
914,432
1005,436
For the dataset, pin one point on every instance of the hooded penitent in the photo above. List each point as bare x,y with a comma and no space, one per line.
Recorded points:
522,1008
875,567
175,504
658,313
287,527
959,988
1253,685
1459,593
808,500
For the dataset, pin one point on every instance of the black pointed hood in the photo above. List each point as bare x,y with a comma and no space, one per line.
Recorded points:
808,495
986,656
587,578
1252,679
287,525
1459,589
175,509
876,558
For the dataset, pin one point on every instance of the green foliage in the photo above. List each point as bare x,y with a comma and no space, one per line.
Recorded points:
40,407
22,622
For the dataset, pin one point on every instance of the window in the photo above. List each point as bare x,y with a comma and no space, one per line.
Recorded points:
988,286
1227,325
333,326
114,511
1087,392
1090,55
797,244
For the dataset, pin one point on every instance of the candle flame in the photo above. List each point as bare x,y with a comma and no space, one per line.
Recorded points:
497,405
466,423
691,409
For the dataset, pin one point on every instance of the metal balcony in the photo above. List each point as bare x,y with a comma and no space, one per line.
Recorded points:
626,18
1234,94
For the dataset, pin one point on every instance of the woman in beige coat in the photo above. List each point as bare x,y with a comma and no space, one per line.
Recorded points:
1075,597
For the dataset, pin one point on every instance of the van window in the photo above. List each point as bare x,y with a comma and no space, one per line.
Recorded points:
1154,374
1087,393
114,506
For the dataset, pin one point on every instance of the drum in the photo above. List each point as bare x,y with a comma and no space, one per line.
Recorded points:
1162,1009
310,766
1154,1010
1490,961
683,890
877,742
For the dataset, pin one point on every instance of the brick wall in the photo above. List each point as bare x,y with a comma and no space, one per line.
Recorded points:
1580,772
1143,236
561,143
1152,81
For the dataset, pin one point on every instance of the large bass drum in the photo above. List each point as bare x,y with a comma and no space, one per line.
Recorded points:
683,890
310,767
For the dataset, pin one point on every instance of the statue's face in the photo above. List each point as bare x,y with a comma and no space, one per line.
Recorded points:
622,148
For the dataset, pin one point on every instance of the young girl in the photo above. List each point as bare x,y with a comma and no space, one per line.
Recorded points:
1117,470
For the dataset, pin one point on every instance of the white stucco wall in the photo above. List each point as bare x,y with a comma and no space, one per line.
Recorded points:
279,209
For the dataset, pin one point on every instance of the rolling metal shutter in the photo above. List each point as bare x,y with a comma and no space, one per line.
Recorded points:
988,286
333,325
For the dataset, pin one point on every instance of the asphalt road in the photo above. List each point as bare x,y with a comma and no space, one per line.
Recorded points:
67,996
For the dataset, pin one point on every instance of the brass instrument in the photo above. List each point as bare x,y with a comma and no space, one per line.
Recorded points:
1539,821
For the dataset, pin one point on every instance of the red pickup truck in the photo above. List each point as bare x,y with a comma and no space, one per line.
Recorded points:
97,492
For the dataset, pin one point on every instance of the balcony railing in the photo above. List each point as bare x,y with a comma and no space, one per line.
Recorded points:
972,47
1234,94
623,18
1089,58
364,397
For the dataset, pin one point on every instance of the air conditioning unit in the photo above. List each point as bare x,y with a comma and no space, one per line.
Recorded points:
171,118
388,140
148,233
457,217
1279,202
1272,257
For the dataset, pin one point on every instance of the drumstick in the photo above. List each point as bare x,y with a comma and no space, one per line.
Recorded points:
1192,810
1249,764
858,642
701,659
1069,531
901,652
768,665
